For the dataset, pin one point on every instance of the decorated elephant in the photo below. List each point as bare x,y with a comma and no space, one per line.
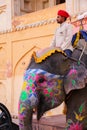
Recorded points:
50,79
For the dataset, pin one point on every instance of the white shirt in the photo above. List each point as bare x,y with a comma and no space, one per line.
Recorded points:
63,37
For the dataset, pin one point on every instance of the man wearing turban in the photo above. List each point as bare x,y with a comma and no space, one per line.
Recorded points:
63,34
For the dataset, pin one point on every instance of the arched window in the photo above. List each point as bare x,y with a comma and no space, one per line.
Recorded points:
60,2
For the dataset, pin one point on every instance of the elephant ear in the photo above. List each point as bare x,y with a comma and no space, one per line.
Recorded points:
76,78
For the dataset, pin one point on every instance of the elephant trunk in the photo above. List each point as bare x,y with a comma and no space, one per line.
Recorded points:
26,106
26,122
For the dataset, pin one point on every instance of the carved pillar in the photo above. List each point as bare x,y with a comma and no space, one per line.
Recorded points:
16,7
70,6
76,6
45,4
27,6
73,6
51,3
42,4
83,5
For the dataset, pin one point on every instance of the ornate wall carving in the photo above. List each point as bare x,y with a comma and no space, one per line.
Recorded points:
75,7
5,14
2,9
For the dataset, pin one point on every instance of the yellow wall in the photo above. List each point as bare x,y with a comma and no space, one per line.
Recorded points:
16,47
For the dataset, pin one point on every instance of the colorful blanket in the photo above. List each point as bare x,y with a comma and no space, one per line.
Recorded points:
43,54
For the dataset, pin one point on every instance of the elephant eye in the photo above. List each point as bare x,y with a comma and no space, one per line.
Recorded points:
41,80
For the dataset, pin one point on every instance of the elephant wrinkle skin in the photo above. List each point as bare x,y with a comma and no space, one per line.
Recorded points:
47,84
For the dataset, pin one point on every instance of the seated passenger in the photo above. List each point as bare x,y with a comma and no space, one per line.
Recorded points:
63,34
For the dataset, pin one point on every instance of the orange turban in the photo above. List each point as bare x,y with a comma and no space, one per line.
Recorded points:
63,13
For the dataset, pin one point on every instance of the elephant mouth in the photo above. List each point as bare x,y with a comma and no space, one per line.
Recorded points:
40,107
43,106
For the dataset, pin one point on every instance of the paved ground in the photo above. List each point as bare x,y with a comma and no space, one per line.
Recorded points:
48,123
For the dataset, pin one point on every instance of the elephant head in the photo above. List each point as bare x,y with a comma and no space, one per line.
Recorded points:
47,84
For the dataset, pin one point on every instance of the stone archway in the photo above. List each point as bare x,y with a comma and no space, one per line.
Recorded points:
18,75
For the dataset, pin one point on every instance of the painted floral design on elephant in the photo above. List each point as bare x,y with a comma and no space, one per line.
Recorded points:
78,125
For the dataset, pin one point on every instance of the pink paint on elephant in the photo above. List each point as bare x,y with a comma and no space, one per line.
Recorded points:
76,126
72,71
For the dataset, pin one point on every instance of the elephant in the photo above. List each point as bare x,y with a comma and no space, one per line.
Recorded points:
50,79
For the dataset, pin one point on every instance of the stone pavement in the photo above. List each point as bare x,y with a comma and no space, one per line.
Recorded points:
56,122
50,123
